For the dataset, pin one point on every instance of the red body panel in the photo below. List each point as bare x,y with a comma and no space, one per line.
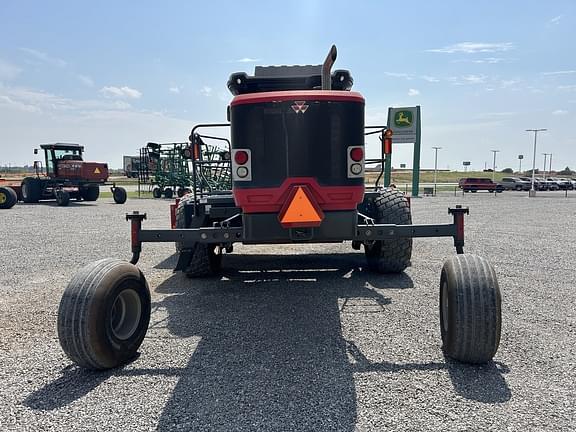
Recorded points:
305,95
272,200
91,171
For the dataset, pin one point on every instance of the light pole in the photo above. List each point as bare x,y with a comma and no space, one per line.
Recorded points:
547,171
532,190
435,166
494,164
520,157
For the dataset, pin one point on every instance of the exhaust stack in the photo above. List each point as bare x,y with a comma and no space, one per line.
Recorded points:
326,68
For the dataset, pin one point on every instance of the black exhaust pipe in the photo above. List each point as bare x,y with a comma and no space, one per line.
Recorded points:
327,67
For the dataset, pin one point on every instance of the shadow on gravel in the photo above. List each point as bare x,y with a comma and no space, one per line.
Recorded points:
272,355
482,383
71,386
167,264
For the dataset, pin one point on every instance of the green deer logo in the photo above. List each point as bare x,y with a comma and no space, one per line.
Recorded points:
403,119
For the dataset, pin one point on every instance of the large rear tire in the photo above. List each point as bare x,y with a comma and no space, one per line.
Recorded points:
119,194
8,197
390,256
90,193
470,309
157,192
62,198
104,314
204,261
31,189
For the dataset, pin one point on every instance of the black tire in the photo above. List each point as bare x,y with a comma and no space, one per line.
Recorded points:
62,198
8,197
31,190
470,309
90,193
390,256
157,192
204,260
499,189
519,188
473,190
180,192
104,314
168,193
119,194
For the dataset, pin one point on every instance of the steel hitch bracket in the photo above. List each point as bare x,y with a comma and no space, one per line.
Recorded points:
458,213
135,219
370,231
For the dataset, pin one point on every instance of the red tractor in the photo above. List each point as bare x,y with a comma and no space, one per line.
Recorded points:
297,162
65,175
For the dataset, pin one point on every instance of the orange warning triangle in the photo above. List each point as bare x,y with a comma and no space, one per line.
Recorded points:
301,210
97,170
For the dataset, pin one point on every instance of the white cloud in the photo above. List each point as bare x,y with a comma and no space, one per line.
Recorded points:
430,78
486,60
570,87
121,92
508,83
8,71
559,112
474,47
247,60
174,89
206,91
469,79
413,92
86,80
555,20
398,75
562,72
44,57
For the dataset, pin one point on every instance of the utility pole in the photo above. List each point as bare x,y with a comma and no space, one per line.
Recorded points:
532,190
550,170
545,155
435,166
494,164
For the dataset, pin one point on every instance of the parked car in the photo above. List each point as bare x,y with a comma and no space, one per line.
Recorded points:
515,183
550,184
563,184
539,183
474,184
566,183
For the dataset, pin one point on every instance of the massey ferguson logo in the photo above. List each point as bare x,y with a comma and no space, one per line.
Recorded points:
300,107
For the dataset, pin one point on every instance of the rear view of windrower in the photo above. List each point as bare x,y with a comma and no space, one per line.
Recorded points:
296,160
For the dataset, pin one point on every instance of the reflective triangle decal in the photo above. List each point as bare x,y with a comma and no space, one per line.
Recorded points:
301,211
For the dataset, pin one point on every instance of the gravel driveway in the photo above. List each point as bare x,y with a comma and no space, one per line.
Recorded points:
294,337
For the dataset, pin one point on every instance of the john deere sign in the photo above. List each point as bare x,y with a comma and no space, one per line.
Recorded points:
403,119
403,122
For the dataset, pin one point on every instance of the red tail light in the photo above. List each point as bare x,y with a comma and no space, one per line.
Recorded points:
241,157
387,145
357,154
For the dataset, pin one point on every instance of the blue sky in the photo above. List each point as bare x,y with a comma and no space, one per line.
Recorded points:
114,75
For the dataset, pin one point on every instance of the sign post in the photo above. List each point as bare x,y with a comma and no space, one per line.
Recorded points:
466,165
405,123
520,157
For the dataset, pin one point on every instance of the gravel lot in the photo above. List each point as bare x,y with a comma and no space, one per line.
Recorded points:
294,337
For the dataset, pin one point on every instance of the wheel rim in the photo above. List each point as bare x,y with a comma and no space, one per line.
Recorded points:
126,312
444,306
2,197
